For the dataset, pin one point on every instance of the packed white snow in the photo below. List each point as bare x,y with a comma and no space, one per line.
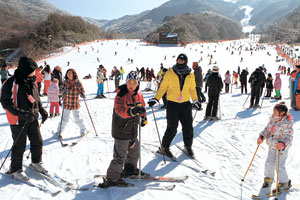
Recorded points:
225,147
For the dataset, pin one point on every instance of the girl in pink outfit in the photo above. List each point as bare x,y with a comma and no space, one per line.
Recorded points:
277,86
53,92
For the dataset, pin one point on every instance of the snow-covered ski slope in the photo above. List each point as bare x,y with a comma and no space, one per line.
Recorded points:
225,146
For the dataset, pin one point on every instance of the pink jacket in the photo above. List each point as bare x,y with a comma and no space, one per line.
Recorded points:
277,83
53,92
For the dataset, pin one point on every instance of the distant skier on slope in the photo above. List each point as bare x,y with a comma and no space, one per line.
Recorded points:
20,98
279,137
129,105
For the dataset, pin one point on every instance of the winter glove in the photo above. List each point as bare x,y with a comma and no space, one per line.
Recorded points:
197,104
144,121
137,110
260,139
152,102
44,114
203,99
27,116
82,95
280,146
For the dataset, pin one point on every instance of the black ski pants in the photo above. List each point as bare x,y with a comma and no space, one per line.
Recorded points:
179,112
244,86
255,95
226,87
32,130
212,106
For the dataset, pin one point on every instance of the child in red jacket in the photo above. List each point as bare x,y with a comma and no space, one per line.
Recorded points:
128,107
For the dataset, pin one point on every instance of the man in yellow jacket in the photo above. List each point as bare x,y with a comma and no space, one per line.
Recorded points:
179,83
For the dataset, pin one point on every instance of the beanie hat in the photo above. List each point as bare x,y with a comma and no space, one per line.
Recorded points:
182,56
26,66
298,66
215,69
195,64
132,75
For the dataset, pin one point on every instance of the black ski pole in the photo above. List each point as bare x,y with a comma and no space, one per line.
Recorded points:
90,116
246,100
13,144
158,134
263,98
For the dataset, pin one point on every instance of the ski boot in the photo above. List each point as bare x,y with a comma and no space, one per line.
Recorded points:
267,182
189,152
283,186
118,183
130,170
39,167
166,152
18,175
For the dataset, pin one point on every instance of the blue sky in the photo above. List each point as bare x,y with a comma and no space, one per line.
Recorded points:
103,9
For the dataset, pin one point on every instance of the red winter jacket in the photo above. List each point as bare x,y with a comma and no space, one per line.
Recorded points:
124,125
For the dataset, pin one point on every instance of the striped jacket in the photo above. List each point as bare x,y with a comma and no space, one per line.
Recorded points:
281,131
71,94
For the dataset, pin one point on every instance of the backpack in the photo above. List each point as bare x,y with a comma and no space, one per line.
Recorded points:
254,78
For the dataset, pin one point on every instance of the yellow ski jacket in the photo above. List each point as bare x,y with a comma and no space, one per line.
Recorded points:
171,85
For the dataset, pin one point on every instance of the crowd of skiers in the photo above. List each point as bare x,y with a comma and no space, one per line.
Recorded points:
176,86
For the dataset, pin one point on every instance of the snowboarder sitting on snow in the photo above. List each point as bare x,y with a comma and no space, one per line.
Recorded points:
72,89
129,105
20,98
279,136
179,83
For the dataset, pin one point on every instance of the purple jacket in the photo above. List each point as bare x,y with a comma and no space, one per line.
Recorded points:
53,92
277,83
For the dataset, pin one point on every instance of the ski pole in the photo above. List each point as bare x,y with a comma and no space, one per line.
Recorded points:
263,98
13,144
195,115
277,174
90,116
243,179
246,99
158,134
140,141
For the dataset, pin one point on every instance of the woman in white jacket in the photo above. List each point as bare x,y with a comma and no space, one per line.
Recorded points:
279,136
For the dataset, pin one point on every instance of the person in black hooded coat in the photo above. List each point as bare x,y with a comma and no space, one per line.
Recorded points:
20,98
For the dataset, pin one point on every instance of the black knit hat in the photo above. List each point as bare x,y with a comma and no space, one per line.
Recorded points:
26,66
182,56
298,66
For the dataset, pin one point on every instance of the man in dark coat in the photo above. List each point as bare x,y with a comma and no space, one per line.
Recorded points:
20,98
243,79
257,79
199,81
215,85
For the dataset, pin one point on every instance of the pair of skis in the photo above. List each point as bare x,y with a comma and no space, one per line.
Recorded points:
150,178
51,178
205,171
73,143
